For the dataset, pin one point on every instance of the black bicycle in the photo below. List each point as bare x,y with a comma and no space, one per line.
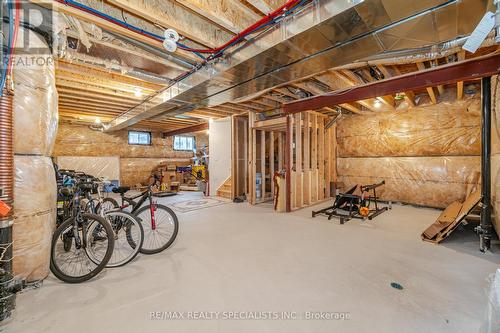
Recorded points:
159,222
128,231
83,243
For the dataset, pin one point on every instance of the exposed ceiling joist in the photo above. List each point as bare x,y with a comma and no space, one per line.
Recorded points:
190,129
447,74
350,79
136,51
88,71
168,14
430,90
266,6
229,14
460,84
97,21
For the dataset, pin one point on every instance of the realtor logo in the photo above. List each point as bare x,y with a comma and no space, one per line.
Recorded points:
35,36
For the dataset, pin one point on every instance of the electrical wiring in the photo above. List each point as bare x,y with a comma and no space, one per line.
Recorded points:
269,19
265,21
17,22
110,18
9,45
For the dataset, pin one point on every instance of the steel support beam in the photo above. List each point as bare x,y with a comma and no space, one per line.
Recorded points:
460,71
485,228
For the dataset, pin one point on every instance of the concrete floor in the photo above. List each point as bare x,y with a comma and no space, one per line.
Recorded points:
235,257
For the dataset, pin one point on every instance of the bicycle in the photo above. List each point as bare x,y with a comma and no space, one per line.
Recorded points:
83,243
128,231
159,221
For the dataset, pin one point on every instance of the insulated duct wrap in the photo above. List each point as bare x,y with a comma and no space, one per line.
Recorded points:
35,128
35,98
428,156
35,195
495,151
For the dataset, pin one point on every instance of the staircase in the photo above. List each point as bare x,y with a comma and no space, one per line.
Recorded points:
224,190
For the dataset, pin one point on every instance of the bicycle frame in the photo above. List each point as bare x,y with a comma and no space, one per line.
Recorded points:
137,205
77,213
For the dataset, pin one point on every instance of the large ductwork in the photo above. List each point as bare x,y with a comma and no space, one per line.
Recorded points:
324,35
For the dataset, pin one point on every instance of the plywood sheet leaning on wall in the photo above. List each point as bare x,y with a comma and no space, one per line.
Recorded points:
427,181
434,130
495,151
35,99
451,218
35,196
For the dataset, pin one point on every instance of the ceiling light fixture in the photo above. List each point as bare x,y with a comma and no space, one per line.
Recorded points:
377,104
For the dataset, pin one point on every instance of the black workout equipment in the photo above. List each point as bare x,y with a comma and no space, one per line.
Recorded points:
348,205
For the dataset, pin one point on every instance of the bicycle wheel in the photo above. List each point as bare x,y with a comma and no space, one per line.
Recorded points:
163,234
74,265
129,236
107,204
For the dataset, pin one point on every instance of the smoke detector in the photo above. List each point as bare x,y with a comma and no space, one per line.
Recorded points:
171,34
170,45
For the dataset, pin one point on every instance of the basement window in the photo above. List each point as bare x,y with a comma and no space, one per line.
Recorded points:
184,143
139,138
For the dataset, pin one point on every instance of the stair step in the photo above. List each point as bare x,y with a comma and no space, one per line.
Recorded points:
224,194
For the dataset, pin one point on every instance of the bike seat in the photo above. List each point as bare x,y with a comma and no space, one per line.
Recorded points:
121,189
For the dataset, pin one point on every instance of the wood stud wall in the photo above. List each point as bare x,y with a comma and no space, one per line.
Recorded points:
301,139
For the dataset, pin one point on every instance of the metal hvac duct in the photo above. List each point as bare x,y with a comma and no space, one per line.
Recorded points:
324,35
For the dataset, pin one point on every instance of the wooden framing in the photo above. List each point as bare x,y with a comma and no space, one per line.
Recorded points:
239,156
298,160
263,165
307,160
305,151
252,158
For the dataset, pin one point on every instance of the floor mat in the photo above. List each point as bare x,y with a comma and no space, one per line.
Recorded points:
196,204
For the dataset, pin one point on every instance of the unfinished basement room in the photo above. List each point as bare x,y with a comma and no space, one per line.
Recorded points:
250,166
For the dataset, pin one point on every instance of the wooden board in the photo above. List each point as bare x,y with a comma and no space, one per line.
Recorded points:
436,233
298,161
444,220
275,124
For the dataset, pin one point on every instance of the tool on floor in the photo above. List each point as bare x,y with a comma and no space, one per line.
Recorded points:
349,205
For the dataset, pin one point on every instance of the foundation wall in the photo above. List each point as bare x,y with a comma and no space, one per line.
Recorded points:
136,161
427,155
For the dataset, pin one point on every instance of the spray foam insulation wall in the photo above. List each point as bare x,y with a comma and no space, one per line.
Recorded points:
136,161
427,155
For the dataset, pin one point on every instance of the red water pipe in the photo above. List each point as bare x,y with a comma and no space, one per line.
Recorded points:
251,28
